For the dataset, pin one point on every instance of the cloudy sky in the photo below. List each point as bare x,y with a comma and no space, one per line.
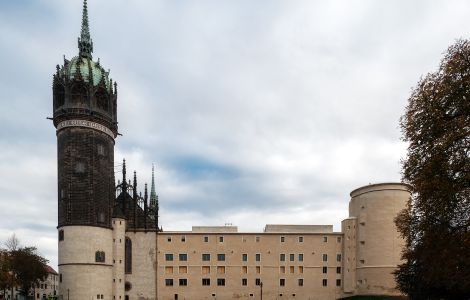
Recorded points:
254,112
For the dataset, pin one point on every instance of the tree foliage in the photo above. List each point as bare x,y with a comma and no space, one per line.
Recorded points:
21,267
436,223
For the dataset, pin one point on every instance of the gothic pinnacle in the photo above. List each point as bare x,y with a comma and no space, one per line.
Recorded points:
85,44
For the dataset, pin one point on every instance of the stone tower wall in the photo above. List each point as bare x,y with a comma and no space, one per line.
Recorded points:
82,276
378,245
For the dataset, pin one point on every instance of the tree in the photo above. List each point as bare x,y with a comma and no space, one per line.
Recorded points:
28,267
436,222
21,266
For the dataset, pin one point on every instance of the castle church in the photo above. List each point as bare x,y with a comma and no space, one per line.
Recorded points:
111,245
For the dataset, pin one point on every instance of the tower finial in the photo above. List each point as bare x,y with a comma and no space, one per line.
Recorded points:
153,194
85,44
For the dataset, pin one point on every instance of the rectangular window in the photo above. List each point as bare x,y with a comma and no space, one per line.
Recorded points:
301,239
183,257
301,282
301,257
221,257
206,239
325,257
244,270
301,269
325,282
325,270
206,257
282,282
206,269
244,281
282,269
338,270
258,281
258,270
338,282
221,281
325,239
291,269
292,257
183,282
338,257
168,270
183,238
282,257
183,269
221,239
338,239
169,257
245,257
206,281
258,257
220,270
169,282
257,239
168,238
283,239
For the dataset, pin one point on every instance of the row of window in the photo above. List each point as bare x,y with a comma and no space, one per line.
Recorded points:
221,269
300,239
221,257
222,282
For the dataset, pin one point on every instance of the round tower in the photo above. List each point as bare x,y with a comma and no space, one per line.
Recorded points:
84,114
377,243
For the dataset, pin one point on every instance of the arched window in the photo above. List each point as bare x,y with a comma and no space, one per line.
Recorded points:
128,256
78,94
100,256
59,95
101,98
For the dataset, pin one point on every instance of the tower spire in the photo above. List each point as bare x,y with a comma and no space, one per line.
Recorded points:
85,44
153,194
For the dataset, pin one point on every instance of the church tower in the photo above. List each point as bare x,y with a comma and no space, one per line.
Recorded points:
84,115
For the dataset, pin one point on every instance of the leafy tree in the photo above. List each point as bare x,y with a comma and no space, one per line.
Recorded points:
20,266
436,223
28,267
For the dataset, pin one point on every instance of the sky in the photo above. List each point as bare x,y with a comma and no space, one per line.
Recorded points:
253,112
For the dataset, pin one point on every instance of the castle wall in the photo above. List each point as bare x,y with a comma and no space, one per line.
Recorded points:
119,236
378,244
142,278
270,269
82,277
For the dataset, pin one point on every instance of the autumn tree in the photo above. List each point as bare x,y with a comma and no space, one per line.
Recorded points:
21,266
436,223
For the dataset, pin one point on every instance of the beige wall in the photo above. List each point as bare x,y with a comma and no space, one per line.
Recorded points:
378,243
119,236
82,277
233,246
144,264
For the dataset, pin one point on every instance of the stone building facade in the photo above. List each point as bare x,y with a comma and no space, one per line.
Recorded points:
111,245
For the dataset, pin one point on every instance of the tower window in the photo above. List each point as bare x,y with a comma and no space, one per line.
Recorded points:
100,149
101,98
80,168
79,95
128,256
61,235
99,256
59,96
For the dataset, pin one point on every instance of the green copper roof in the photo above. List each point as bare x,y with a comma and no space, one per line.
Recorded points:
84,66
